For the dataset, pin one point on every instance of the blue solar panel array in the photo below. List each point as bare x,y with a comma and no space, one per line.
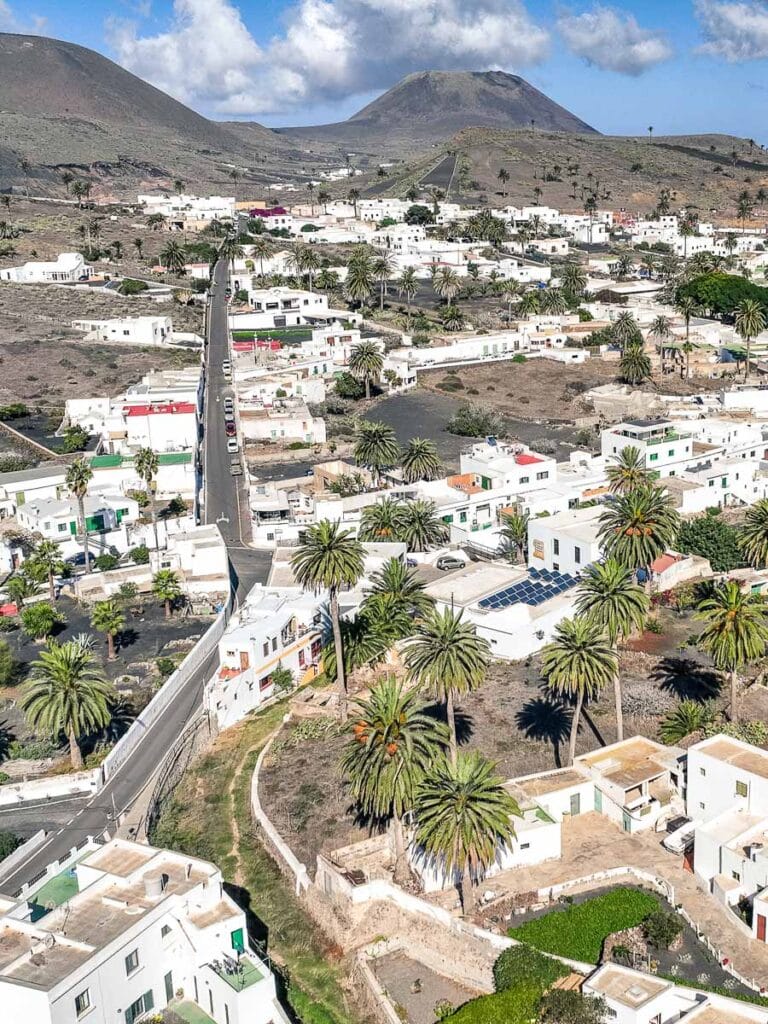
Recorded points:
539,586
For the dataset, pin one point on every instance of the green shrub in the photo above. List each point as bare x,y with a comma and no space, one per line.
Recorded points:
652,625
31,750
165,666
140,555
519,358
524,963
661,928
7,664
39,620
518,1005
9,842
296,446
713,538
75,439
132,287
561,1006
14,411
14,463
4,777
307,1010
474,421
579,931
347,386
106,562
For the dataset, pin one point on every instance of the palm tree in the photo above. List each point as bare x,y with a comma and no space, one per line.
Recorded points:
625,329
261,249
48,556
407,286
553,301
155,221
172,257
529,303
67,178
736,631
687,307
753,539
661,329
577,664
627,473
79,475
420,461
138,245
393,745
634,365
376,447
624,264
330,559
146,464
689,716
397,589
464,814
446,658
573,280
108,617
359,281
420,525
380,521
609,595
503,178
510,290
67,693
382,269
20,587
749,322
637,527
514,530
366,363
446,284
230,250
166,587
353,195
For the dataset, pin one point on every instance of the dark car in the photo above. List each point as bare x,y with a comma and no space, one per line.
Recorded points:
231,429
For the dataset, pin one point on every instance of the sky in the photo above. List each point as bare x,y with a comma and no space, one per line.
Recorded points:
678,65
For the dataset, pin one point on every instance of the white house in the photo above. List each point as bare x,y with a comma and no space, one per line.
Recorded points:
634,997
275,627
282,307
566,542
67,268
198,555
145,929
287,420
187,211
106,518
663,448
163,427
152,331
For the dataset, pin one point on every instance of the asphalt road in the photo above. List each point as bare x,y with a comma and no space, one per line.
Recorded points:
71,821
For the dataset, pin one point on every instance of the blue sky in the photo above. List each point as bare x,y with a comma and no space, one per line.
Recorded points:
680,65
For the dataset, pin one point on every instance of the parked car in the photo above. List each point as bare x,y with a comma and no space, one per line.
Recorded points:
229,405
229,417
230,428
446,562
232,445
226,366
236,469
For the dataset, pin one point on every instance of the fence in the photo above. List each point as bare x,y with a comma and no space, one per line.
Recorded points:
168,692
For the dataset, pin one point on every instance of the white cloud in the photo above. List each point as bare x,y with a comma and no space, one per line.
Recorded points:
613,40
31,24
735,30
330,49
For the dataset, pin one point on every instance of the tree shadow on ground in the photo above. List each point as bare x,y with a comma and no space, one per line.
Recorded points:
686,679
545,719
465,725
7,736
126,638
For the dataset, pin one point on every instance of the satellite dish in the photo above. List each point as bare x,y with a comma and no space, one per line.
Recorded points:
50,941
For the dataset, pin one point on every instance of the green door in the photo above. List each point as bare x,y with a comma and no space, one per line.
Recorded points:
168,979
238,941
575,804
626,822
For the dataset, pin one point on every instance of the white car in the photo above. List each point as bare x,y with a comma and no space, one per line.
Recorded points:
232,445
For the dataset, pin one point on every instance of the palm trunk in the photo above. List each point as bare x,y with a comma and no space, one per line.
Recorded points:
81,512
746,369
154,524
467,893
167,608
574,728
617,699
401,873
734,681
51,588
367,388
450,716
75,754
381,296
110,647
341,677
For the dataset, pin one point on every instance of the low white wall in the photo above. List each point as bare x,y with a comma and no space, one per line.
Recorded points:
50,787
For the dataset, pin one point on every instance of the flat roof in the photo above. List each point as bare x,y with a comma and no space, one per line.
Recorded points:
629,763
630,988
468,585
659,421
748,759
552,782
717,1015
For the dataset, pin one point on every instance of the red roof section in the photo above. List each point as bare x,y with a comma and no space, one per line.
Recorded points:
663,562
526,460
169,408
272,211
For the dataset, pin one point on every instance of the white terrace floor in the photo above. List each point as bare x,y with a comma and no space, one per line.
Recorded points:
592,843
